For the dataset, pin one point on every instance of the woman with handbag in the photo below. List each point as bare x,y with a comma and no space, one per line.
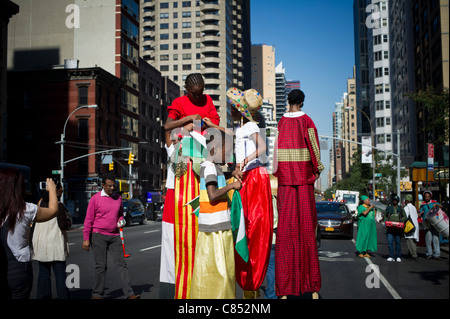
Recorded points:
394,213
413,236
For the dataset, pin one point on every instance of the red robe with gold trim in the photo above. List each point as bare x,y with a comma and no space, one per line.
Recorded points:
297,161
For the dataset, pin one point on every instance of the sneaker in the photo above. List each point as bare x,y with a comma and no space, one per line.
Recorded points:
390,259
398,259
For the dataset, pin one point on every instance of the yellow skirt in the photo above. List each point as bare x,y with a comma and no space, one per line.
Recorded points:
214,273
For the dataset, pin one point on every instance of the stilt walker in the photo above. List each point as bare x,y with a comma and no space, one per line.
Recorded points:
297,167
183,112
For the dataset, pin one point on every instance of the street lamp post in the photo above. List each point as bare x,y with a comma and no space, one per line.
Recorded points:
373,144
63,136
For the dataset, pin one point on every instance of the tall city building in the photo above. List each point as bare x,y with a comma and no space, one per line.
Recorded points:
431,56
82,35
263,71
402,79
379,74
206,36
280,88
350,124
362,65
48,32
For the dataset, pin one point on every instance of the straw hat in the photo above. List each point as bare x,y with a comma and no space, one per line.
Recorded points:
254,100
247,103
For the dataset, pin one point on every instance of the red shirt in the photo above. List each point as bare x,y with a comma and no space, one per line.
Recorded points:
298,151
182,107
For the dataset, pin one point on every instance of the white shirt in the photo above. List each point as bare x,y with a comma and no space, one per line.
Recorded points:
245,146
411,210
170,182
19,240
294,114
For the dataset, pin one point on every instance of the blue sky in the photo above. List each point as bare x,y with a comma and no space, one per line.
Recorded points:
315,41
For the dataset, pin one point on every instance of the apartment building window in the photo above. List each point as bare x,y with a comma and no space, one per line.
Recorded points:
186,14
377,39
187,67
378,56
187,46
387,87
164,15
164,5
380,122
164,68
186,4
164,47
164,36
82,95
187,35
164,26
379,105
380,139
379,89
164,57
378,72
386,71
187,56
83,129
187,24
175,25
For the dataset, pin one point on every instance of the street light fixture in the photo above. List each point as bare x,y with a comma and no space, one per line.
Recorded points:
373,144
63,136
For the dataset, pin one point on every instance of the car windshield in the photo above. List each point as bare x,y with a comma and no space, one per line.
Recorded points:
331,208
350,198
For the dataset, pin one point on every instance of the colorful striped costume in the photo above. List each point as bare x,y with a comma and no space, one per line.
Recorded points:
213,276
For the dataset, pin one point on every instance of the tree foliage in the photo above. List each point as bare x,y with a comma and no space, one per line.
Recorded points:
437,105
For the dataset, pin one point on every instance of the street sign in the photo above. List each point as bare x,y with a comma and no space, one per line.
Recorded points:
430,157
56,172
378,175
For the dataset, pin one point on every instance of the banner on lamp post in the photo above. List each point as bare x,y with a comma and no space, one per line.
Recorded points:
430,157
367,151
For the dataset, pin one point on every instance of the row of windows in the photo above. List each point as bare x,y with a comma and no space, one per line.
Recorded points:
184,35
184,14
185,46
185,25
185,67
185,56
184,4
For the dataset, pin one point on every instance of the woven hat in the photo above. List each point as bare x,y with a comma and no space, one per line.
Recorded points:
247,103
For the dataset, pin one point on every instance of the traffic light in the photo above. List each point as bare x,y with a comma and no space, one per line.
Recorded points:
131,159
111,166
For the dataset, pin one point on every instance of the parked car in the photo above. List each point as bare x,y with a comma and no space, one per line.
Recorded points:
134,212
334,219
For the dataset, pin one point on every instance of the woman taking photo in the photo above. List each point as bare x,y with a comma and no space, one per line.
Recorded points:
16,218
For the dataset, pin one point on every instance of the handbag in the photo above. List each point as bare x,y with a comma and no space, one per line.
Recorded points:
409,226
394,225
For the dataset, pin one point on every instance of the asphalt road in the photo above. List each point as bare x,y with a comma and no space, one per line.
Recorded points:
344,275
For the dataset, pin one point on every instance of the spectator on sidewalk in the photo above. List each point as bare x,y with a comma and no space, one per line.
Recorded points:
413,238
101,231
431,234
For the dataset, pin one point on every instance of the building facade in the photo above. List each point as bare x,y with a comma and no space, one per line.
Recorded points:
402,79
263,71
208,37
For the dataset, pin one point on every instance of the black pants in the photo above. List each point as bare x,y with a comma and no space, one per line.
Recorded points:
16,278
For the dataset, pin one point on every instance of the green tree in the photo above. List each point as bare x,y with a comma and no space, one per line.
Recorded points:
436,118
360,175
